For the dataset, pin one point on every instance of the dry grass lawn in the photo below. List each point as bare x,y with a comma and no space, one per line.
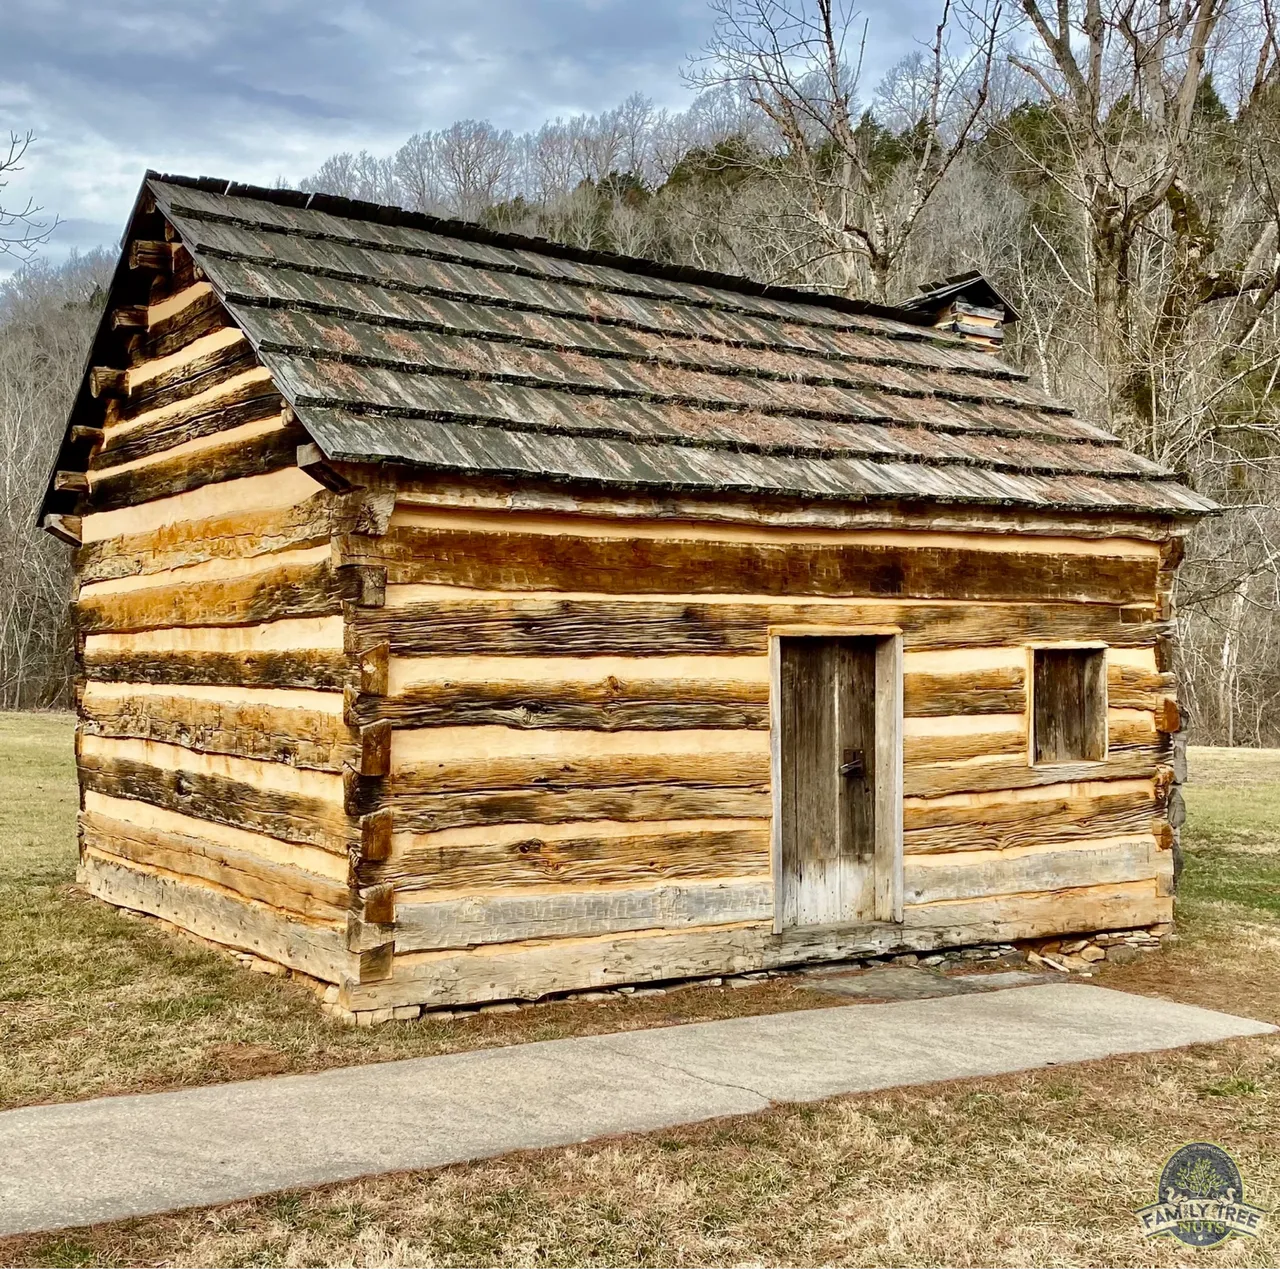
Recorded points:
1037,1169
94,1002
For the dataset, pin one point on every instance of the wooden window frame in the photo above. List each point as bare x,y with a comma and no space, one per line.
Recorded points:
1067,645
889,779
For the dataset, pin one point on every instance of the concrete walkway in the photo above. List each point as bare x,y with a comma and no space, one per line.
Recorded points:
127,1156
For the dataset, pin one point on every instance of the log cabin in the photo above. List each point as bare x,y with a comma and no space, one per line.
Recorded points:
464,617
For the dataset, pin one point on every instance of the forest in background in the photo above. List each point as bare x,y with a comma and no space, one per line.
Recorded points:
1108,164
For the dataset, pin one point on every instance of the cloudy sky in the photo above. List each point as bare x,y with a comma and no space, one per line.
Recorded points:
257,89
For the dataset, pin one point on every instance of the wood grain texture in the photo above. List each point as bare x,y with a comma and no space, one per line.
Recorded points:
561,561
575,854
1059,814
178,322
612,703
246,874
292,668
475,920
1069,721
549,626
290,816
267,594
237,457
989,691
218,915
1132,687
538,968
1122,531
306,733
242,404
1020,870
235,534
426,812
192,370
1138,762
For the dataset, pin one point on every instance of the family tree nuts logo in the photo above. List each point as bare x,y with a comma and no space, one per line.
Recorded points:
1201,1199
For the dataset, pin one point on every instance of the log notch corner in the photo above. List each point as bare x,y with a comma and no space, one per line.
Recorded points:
368,496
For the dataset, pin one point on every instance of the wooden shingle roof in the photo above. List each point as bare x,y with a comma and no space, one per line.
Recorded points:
401,338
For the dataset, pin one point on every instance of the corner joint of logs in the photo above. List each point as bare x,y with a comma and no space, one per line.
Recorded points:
312,461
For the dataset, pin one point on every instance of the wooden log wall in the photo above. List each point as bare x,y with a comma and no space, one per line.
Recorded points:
215,758
575,789
435,748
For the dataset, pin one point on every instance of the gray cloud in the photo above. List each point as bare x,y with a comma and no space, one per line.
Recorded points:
257,89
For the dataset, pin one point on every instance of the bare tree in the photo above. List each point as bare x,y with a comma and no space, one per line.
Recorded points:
1124,80
799,63
21,230
47,317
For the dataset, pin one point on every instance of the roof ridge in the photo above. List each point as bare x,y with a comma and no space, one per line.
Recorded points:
471,231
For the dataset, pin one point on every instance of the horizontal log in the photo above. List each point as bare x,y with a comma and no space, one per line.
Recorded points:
1138,763
999,690
82,434
496,560
1132,729
613,704
437,491
171,329
249,402
295,668
552,705
546,626
292,890
256,728
253,455
1084,909
291,817
189,377
217,915
1132,687
182,543
527,971
501,918
567,773
543,855
268,594
427,812
1071,813
1020,871
924,750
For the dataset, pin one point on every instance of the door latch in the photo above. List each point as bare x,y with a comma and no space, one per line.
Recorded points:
854,763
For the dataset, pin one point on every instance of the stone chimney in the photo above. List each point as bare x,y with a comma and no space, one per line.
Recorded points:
966,305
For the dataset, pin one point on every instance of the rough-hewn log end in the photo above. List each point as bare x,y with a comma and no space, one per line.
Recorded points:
108,381
314,463
64,528
71,482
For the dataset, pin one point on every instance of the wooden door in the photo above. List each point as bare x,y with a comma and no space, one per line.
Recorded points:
827,737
